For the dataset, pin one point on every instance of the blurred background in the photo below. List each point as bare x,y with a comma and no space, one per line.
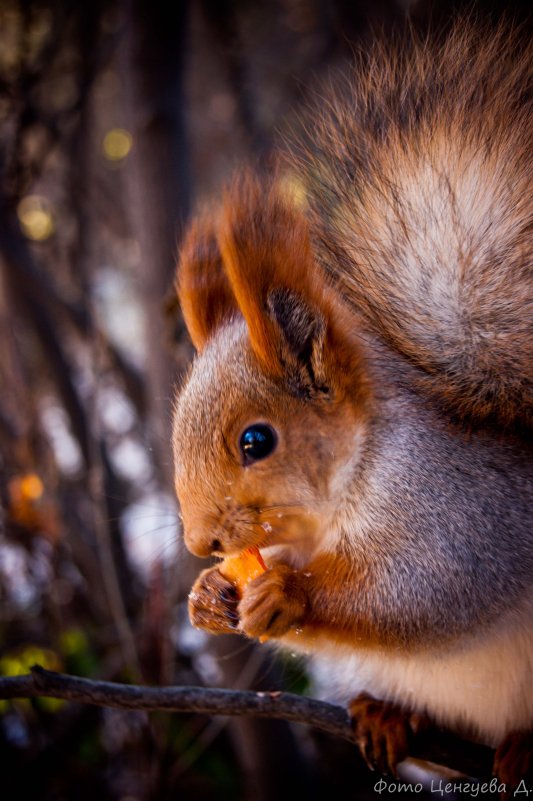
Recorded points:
117,119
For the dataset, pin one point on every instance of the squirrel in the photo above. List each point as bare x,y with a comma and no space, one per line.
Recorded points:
360,406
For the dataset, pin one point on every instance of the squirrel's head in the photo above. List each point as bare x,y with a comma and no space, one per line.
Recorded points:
275,402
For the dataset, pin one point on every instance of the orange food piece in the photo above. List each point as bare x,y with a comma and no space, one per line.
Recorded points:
243,568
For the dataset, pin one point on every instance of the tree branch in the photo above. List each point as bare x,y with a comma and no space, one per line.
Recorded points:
435,745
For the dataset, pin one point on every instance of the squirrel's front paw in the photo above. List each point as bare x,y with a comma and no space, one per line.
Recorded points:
213,603
272,603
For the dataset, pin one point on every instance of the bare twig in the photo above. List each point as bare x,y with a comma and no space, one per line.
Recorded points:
435,745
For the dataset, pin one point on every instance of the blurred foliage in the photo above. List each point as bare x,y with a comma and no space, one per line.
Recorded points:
116,118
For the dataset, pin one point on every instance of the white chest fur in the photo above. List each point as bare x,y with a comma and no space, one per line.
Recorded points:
482,687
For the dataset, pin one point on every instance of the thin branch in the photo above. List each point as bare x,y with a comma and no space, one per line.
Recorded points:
435,745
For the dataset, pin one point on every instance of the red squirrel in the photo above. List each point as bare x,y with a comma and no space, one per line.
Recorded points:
360,406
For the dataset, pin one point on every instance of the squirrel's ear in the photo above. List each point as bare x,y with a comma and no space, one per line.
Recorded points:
278,287
203,289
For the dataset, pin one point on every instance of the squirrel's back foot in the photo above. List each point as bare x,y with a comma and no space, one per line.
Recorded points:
383,732
513,762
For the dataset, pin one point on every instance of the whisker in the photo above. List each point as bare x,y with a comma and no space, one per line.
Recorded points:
154,516
296,506
275,506
152,530
165,549
289,539
130,501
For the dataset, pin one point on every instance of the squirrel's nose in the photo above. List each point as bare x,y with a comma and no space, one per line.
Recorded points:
201,542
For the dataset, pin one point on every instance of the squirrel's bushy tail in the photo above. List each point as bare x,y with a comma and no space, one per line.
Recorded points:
418,181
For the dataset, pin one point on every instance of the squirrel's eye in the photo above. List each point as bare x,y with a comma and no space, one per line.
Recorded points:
257,442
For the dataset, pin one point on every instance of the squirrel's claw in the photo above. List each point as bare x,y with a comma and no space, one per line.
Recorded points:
382,732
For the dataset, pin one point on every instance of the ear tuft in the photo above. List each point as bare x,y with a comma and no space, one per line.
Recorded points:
205,296
268,259
299,324
302,341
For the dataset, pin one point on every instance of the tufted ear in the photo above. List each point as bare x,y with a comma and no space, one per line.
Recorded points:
203,288
280,290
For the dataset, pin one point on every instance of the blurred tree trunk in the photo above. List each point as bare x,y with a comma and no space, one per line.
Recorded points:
159,187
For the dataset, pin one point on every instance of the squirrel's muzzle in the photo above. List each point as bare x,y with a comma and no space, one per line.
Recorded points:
202,541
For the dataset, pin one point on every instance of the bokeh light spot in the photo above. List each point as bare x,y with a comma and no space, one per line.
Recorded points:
31,486
35,217
117,144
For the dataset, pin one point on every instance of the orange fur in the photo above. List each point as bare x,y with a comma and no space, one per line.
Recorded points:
328,611
203,290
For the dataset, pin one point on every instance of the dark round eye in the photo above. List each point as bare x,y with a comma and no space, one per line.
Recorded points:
257,442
